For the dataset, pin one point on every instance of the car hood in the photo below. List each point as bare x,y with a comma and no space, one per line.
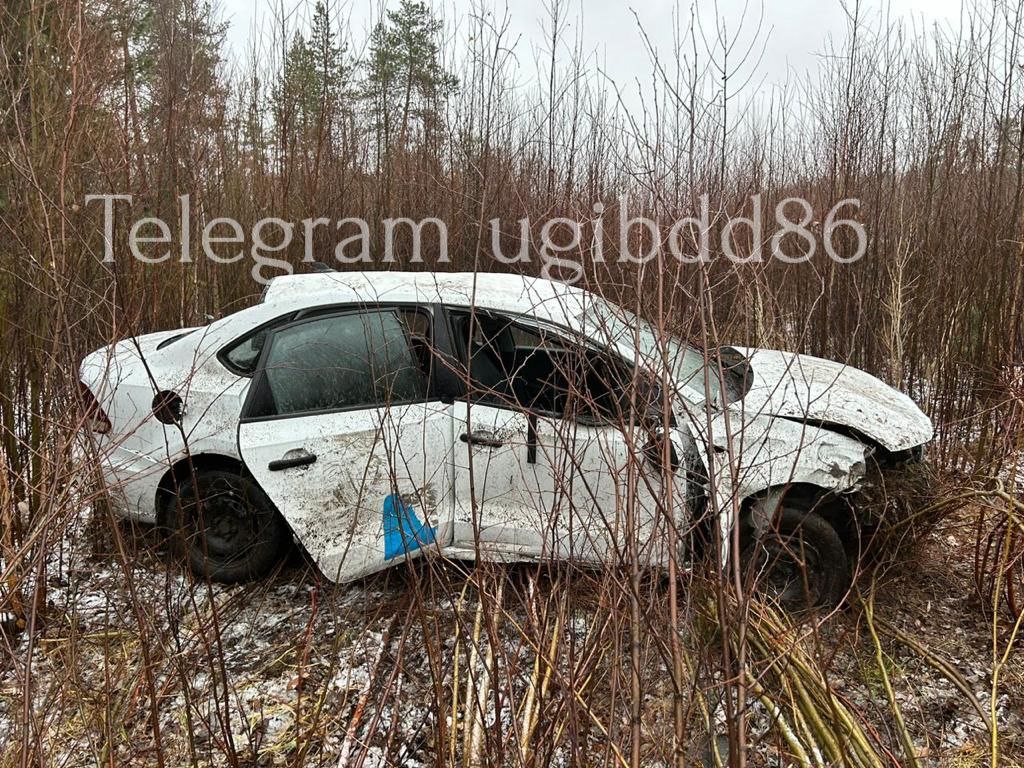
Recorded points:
806,388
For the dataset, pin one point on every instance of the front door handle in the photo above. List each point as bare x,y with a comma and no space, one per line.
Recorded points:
482,438
296,457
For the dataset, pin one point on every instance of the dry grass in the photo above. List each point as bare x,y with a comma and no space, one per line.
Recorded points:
124,661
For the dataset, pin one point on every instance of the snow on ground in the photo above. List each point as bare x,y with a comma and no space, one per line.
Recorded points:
298,670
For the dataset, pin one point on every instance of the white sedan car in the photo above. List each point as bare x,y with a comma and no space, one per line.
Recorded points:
380,416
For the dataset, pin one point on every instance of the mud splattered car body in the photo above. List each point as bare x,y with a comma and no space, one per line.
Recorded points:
386,415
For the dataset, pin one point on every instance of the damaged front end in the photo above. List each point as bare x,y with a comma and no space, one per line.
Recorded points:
769,457
900,500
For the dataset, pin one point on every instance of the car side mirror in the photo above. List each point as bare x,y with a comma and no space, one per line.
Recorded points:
656,448
653,416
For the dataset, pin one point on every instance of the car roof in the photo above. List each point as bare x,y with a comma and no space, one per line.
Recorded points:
519,294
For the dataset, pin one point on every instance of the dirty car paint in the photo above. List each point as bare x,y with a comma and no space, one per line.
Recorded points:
810,388
796,423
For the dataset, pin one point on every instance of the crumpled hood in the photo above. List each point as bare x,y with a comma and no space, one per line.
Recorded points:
827,392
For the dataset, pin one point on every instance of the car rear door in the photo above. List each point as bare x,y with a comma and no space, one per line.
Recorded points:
343,433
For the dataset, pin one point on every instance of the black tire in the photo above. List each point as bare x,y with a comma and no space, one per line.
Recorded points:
799,561
226,528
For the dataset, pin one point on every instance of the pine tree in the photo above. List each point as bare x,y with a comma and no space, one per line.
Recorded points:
309,99
405,76
327,62
180,68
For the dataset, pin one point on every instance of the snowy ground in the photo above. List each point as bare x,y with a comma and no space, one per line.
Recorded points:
295,672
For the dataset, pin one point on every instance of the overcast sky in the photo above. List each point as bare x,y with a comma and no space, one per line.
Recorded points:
793,32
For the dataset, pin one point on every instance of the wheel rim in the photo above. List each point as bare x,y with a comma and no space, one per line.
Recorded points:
789,570
226,522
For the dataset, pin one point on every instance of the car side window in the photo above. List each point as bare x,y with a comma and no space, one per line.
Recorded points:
516,365
244,355
339,362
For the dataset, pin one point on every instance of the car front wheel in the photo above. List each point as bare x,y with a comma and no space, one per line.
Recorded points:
799,561
227,528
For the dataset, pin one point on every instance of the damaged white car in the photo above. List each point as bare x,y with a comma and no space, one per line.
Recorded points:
377,417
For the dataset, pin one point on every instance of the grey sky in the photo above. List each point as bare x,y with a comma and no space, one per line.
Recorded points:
795,30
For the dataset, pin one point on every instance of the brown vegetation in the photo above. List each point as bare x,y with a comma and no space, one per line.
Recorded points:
116,97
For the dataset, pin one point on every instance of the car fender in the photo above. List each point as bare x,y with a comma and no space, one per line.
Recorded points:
141,448
748,456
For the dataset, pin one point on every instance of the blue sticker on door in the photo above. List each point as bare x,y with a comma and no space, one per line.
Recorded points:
403,531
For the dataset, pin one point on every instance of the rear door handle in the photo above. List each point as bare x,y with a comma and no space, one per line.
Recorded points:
296,457
479,437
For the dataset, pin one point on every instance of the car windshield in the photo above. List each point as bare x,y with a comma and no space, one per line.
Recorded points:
625,329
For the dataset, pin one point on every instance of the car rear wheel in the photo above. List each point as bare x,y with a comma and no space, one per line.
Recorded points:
799,561
226,527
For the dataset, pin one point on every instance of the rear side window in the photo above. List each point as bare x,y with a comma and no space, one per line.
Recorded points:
340,362
242,357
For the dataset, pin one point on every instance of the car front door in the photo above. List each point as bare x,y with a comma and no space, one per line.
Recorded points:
549,463
342,431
